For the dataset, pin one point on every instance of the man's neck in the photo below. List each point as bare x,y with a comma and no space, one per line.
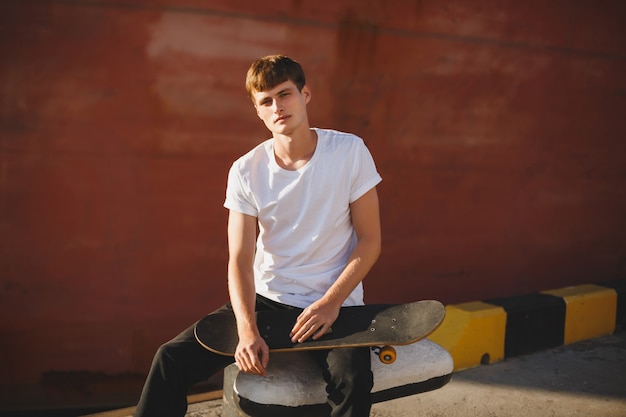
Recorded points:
295,151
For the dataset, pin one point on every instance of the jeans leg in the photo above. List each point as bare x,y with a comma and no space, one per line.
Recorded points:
180,363
177,365
349,380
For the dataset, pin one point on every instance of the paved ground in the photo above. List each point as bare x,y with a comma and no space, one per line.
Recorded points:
583,379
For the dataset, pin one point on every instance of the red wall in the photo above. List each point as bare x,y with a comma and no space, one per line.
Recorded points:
498,128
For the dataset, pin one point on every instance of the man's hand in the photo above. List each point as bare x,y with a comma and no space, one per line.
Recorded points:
252,355
314,321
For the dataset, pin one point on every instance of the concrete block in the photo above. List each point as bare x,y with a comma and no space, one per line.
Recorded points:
294,385
590,311
533,322
473,333
619,285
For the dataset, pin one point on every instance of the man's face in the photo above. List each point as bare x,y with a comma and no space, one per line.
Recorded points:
283,108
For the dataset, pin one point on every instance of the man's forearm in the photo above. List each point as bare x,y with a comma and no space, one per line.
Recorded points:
316,319
360,262
366,221
241,239
242,298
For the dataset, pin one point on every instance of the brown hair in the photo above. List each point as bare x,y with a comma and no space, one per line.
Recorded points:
267,72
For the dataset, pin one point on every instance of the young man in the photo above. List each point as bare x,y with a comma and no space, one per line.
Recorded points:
311,193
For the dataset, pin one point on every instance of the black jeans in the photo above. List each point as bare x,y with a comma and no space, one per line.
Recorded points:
182,362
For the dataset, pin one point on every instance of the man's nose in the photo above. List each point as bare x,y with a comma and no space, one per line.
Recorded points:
276,106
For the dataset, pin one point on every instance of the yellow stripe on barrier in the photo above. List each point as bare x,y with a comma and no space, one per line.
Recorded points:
590,311
473,333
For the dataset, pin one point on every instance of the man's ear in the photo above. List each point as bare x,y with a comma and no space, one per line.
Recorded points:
306,93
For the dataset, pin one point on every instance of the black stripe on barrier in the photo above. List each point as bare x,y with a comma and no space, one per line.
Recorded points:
619,285
533,322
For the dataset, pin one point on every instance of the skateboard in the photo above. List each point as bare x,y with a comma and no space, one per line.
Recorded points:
380,326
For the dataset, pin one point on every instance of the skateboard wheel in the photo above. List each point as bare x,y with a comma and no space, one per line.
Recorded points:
387,355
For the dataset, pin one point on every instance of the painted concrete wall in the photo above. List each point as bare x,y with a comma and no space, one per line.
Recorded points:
498,128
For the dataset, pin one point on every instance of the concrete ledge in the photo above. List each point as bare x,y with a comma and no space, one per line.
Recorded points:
590,311
489,331
534,322
620,288
473,333
492,330
294,385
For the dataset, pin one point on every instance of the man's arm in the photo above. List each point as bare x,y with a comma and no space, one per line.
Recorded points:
316,319
252,353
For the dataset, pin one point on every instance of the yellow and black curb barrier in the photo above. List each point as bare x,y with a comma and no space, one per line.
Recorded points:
489,331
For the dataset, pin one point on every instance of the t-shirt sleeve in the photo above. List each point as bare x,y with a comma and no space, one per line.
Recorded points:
365,176
238,195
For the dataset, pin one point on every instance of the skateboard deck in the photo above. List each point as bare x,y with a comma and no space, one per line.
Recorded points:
358,326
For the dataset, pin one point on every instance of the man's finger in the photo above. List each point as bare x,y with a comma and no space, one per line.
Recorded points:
301,333
265,358
259,361
321,332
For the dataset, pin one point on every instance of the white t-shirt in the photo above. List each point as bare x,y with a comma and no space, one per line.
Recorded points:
305,229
